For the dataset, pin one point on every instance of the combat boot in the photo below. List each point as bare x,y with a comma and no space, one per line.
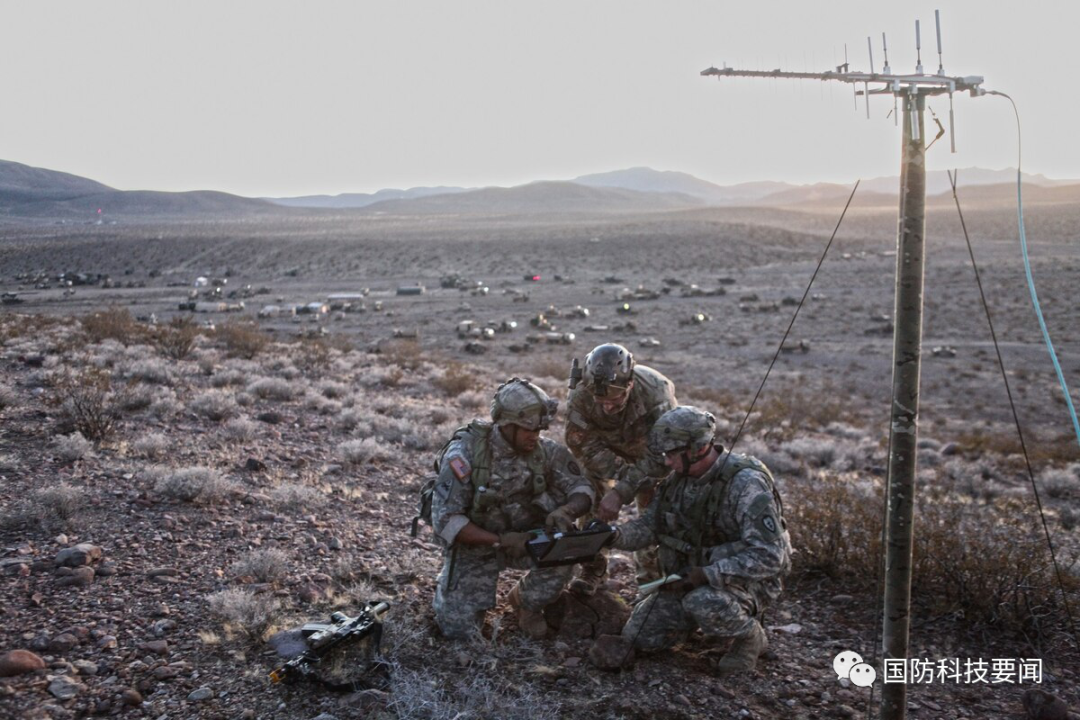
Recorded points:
593,576
532,623
744,651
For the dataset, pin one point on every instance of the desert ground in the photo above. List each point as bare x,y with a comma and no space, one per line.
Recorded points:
238,476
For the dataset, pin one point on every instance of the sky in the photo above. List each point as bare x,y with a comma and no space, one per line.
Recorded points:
274,98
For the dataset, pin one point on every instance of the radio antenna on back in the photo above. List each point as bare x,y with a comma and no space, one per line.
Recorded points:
913,90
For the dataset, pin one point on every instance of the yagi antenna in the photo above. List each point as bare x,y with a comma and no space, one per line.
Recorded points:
899,85
866,85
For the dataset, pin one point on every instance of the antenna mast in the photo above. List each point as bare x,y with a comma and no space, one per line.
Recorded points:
912,90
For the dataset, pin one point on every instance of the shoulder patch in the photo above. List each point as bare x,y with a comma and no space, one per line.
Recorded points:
573,467
460,467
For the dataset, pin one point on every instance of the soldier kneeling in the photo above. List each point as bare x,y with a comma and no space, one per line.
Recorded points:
497,481
718,522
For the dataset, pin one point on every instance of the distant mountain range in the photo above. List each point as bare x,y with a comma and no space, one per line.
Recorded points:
30,192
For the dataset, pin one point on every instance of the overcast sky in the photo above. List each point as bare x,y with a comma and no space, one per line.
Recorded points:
293,98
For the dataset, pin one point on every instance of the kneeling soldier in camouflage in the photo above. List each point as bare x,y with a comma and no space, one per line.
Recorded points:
718,522
496,482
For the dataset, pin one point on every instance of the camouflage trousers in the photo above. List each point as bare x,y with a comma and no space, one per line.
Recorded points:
665,619
468,581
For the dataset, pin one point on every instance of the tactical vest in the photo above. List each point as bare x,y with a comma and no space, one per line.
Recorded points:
483,497
689,541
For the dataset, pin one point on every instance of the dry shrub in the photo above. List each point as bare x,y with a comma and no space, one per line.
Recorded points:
70,448
406,354
986,561
313,354
7,398
413,694
241,429
242,338
53,507
265,565
1053,451
550,367
113,323
243,611
296,498
88,403
153,371
152,446
214,405
177,339
268,388
455,379
787,413
358,452
198,485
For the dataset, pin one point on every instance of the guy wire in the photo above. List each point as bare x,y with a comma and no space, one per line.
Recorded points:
750,410
1016,417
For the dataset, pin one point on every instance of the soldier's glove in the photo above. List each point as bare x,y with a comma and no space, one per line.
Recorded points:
513,544
561,519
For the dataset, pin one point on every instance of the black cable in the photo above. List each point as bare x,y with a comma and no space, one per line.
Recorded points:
750,410
1016,418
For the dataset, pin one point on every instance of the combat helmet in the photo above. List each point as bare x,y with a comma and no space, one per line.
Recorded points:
519,402
608,365
683,428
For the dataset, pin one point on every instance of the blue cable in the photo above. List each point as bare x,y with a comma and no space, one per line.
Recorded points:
1031,280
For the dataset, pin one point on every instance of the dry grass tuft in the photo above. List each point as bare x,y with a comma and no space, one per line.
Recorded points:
297,498
153,446
194,484
242,338
265,565
455,379
70,448
53,507
243,611
358,452
113,323
214,405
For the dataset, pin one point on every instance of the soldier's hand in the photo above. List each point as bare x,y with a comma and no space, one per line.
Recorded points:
513,544
560,519
609,506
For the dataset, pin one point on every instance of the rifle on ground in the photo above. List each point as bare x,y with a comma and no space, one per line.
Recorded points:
322,638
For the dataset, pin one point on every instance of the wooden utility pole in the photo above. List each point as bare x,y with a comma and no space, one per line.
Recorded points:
904,427
912,90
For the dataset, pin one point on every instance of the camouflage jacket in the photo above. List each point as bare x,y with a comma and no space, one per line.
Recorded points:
509,501
742,534
616,446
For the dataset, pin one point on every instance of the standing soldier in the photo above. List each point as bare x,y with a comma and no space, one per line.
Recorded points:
607,429
496,482
718,521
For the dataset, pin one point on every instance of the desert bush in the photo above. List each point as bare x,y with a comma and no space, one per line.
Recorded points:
272,389
406,354
243,611
194,484
137,397
265,565
88,403
214,405
7,398
358,452
332,389
1058,483
455,379
153,371
414,694
296,498
474,399
242,338
165,405
228,377
987,560
52,507
241,429
818,452
323,406
112,323
70,448
152,446
177,339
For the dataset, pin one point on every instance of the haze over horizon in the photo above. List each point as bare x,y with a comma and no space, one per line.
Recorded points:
273,99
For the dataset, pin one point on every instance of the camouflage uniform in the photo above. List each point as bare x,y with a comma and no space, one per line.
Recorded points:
744,549
616,446
469,575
